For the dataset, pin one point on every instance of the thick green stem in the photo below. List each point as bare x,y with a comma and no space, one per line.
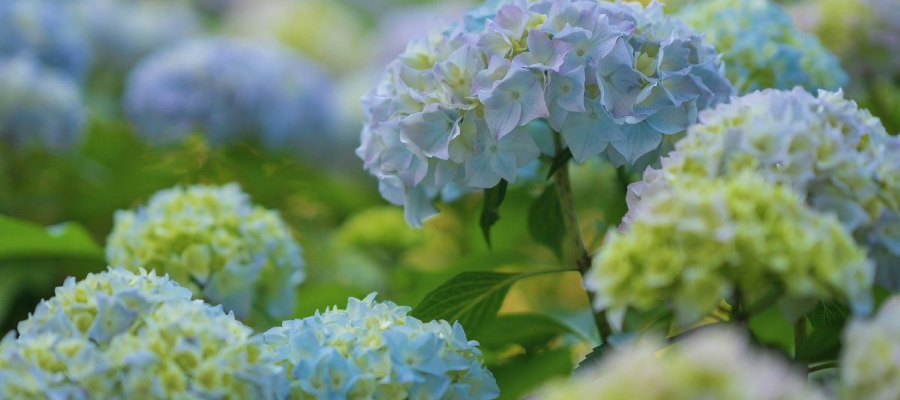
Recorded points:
581,258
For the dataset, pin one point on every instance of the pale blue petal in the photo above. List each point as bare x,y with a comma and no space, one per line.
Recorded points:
432,130
417,206
479,172
639,139
588,133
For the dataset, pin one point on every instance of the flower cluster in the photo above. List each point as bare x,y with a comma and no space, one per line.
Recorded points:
714,364
869,367
761,47
230,90
213,240
837,157
611,78
45,31
376,351
119,335
38,106
121,32
700,240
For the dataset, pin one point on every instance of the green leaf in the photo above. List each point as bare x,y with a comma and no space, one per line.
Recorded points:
593,358
472,298
824,343
490,213
545,220
20,239
559,161
529,330
525,372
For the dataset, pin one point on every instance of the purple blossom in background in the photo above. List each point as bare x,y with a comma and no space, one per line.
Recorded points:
611,78
39,107
121,32
45,31
231,91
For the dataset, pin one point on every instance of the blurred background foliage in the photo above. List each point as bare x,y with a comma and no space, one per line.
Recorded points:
56,208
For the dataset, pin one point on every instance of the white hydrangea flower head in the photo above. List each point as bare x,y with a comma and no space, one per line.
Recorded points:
762,48
710,364
695,242
839,158
213,240
869,367
120,335
612,78
375,350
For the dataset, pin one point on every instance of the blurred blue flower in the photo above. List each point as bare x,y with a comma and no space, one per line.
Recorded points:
231,91
762,48
38,106
44,29
121,32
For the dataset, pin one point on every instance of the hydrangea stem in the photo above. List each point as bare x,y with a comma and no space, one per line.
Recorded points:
582,260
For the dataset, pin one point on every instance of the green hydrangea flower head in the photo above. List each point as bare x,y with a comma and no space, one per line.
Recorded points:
373,350
761,47
382,233
837,157
703,366
700,240
869,367
121,335
213,240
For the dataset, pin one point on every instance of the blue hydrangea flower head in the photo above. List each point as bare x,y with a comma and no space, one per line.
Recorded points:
216,242
44,30
123,335
121,32
38,106
762,48
838,157
611,78
373,350
230,91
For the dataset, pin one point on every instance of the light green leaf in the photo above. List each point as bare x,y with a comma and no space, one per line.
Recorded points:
20,239
472,298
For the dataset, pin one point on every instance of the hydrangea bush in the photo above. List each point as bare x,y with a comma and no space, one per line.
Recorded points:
45,31
718,364
375,350
761,47
700,240
39,107
120,335
611,78
834,155
215,241
230,90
